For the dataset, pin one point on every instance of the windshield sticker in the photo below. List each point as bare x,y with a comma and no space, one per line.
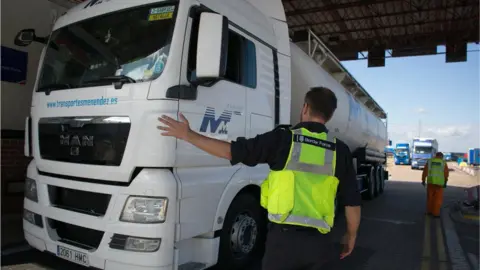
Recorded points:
159,67
161,13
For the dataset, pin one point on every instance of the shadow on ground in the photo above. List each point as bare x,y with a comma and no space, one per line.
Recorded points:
390,236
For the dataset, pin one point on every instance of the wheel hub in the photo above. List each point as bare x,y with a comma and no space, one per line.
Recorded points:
243,234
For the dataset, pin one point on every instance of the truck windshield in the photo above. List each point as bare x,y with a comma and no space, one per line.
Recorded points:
130,45
401,151
423,150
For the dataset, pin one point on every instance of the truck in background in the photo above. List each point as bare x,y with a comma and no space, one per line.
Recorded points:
402,154
389,150
106,190
474,156
423,149
456,156
447,156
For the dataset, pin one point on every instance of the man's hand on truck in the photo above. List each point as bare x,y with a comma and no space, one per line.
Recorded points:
181,130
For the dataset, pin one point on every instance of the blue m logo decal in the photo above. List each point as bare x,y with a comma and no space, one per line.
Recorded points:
219,125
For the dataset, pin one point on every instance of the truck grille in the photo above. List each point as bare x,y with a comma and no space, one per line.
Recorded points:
421,162
77,236
86,140
85,202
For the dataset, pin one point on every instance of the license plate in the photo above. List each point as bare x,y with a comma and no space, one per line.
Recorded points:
401,163
73,256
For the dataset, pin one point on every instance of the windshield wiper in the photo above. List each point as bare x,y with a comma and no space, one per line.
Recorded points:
118,81
52,87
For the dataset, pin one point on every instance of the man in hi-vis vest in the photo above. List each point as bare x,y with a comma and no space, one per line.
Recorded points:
436,173
307,167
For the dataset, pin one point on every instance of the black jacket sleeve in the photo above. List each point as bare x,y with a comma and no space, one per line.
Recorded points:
264,148
348,192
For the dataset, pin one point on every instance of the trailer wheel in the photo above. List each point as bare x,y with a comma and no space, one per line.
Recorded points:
377,180
381,179
242,239
371,184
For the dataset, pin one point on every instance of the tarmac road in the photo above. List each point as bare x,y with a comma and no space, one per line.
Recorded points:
394,234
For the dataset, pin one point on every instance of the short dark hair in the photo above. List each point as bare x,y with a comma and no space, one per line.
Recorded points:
321,101
439,154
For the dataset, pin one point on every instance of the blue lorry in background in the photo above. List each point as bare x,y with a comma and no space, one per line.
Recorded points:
423,149
474,156
389,150
447,156
402,154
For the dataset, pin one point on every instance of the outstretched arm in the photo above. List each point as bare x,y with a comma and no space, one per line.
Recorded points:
262,148
181,130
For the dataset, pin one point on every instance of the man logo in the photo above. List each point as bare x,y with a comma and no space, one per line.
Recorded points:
75,142
219,125
301,139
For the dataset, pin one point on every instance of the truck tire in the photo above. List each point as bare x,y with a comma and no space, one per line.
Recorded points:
377,180
371,184
381,179
242,239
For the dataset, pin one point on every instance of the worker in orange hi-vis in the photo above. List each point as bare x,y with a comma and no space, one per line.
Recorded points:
436,173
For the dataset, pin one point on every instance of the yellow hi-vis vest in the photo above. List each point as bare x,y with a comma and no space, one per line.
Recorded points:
304,192
436,174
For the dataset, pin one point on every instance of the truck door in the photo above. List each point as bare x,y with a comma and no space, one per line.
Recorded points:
217,111
219,108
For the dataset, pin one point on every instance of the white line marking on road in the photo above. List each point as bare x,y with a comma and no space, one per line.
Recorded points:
397,222
455,250
14,250
425,265
442,257
426,240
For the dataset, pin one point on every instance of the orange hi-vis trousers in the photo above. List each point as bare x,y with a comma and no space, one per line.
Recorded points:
434,199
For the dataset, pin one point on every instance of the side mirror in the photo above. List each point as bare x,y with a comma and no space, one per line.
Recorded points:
25,37
212,47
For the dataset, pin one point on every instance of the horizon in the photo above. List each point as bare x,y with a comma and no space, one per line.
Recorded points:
426,97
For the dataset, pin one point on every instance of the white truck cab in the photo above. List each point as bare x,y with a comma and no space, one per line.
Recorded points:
106,190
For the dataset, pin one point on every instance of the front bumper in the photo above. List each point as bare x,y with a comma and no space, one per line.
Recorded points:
402,161
420,164
150,182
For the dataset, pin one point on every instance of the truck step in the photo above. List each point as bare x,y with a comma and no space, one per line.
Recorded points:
192,266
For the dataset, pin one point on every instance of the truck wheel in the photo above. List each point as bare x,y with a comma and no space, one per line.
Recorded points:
242,239
377,181
371,184
381,180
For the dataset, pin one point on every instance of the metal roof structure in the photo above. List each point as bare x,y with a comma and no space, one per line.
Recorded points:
324,57
331,31
402,27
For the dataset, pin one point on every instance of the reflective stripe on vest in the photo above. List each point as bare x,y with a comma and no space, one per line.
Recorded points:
436,173
300,220
296,165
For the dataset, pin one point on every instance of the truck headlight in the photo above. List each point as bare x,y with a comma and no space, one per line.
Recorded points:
31,190
144,210
140,244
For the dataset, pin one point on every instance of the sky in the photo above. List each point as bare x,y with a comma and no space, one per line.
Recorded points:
426,96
